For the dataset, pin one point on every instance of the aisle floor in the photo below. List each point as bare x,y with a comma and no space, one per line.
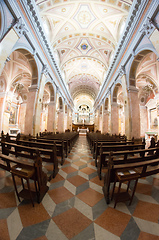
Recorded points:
75,208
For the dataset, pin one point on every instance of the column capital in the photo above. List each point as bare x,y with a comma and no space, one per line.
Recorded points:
51,103
132,89
147,27
106,112
45,69
114,104
20,27
33,88
122,71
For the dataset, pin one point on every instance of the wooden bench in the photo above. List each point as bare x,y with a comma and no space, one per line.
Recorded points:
145,164
69,138
94,137
111,146
44,144
125,176
27,170
117,150
47,155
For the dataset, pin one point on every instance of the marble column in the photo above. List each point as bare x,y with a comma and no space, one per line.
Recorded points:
69,122
30,110
60,123
114,118
105,121
134,113
2,108
65,121
126,107
157,109
97,120
143,120
68,118
22,114
51,117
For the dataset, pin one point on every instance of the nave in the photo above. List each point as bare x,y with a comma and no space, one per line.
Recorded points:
75,208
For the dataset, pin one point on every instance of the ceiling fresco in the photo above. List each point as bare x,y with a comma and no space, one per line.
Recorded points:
83,36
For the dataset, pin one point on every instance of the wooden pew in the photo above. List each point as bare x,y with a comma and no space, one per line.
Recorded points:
69,137
93,137
9,163
117,150
145,164
61,145
107,146
44,144
29,152
125,156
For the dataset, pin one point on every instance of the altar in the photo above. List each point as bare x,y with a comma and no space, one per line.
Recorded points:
83,131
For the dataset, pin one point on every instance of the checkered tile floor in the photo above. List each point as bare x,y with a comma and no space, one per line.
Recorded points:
74,207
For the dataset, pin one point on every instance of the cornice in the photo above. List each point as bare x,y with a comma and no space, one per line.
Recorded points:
22,28
135,15
38,25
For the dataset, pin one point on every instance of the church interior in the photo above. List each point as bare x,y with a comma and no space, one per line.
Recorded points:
79,119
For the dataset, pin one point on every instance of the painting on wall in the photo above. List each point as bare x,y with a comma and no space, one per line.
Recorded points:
13,114
8,106
153,119
157,108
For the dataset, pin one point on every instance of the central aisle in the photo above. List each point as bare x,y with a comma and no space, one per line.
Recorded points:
77,192
74,207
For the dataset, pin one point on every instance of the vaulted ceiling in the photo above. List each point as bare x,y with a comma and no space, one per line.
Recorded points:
83,35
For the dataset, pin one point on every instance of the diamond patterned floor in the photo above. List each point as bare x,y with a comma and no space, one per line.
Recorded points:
74,207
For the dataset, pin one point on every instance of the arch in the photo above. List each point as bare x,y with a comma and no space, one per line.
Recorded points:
115,92
117,110
146,80
134,66
2,21
32,63
51,90
100,110
60,103
147,88
65,108
19,72
106,104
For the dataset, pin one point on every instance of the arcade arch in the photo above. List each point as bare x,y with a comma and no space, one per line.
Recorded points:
147,84
117,111
15,80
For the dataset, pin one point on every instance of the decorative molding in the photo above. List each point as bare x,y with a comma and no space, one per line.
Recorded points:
33,88
45,70
21,27
132,89
30,7
128,31
34,52
147,27
8,59
122,71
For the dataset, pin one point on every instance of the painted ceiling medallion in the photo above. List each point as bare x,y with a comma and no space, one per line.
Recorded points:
84,16
84,33
84,46
62,51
